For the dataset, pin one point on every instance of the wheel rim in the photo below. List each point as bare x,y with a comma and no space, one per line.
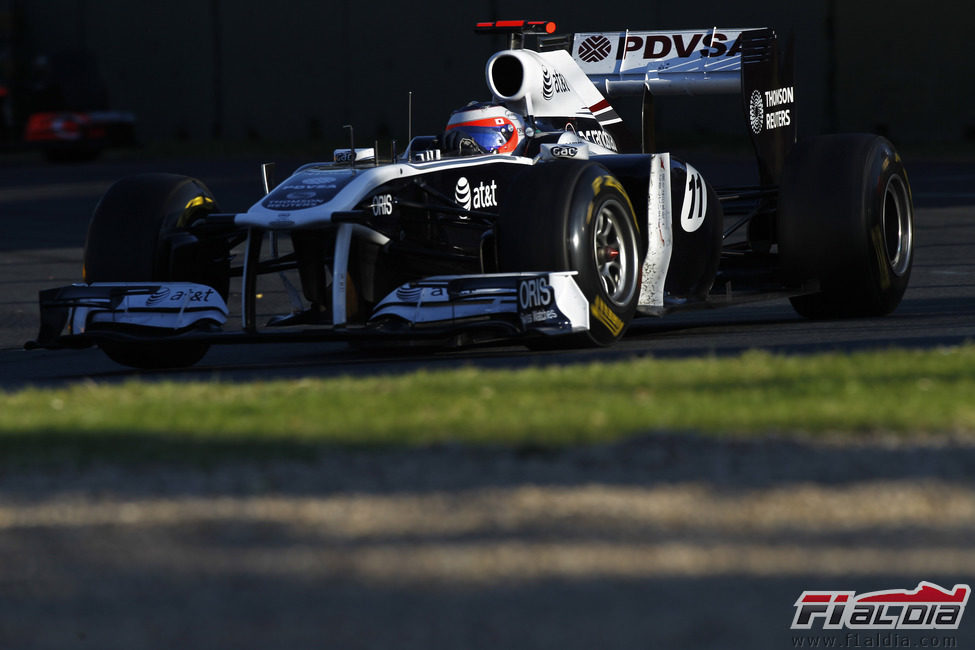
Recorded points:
897,225
613,256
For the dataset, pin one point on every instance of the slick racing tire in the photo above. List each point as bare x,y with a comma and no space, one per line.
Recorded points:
127,242
846,219
572,215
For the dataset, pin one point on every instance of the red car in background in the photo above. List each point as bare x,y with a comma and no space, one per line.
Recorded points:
61,107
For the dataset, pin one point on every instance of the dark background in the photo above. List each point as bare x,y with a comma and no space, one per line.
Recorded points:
297,70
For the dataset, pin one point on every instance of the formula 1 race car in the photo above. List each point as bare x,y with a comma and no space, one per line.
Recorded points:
536,216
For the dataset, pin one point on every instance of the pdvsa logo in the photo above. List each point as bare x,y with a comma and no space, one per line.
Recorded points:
928,607
682,46
482,196
595,48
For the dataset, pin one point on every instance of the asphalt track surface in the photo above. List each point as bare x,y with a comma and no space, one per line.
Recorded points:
666,540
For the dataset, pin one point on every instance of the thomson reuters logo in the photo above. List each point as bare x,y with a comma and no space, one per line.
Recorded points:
595,48
462,193
756,112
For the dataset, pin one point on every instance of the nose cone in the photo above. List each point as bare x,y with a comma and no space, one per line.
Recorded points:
308,188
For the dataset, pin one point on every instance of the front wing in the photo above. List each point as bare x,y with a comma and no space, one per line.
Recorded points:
464,307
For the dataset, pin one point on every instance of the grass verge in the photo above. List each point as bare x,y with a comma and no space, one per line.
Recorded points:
907,391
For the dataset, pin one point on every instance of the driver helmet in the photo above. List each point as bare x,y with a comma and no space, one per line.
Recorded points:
493,127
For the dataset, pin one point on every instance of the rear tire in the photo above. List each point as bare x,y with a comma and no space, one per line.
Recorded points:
127,242
575,216
846,219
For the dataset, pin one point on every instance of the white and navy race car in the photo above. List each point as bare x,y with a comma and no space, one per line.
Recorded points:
537,215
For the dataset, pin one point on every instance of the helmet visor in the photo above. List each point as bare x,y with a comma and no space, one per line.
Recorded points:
495,134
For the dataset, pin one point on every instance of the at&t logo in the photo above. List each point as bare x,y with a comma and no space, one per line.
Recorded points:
552,83
482,196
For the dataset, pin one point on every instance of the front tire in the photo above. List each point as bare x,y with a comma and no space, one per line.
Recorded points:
576,216
128,242
846,219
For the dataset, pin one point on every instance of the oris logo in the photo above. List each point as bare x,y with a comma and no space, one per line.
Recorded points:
756,112
382,205
595,48
552,83
534,293
482,196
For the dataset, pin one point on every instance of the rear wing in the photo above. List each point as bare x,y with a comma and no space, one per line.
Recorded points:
701,62
593,67
691,62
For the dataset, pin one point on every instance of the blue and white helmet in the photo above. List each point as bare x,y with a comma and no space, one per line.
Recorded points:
492,127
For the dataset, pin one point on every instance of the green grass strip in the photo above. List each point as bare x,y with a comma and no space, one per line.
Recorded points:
908,391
